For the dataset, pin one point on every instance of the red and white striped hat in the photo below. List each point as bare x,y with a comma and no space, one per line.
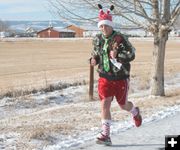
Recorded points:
105,18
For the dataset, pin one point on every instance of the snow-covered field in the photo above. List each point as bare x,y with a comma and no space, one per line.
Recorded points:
63,119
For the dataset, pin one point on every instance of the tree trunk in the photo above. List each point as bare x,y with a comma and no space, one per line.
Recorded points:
157,82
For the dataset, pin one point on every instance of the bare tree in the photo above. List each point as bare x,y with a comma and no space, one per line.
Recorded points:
155,16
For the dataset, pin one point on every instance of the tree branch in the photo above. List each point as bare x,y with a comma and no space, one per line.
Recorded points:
174,17
175,10
68,11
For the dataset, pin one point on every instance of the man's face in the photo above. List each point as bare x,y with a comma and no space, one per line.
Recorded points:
106,30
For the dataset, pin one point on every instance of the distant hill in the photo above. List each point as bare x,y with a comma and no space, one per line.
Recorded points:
38,25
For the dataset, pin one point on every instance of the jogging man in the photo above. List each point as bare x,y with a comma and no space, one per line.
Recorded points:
112,53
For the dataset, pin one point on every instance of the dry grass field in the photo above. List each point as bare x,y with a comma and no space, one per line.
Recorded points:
33,64
29,123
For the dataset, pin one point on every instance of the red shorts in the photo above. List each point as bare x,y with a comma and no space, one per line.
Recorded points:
118,88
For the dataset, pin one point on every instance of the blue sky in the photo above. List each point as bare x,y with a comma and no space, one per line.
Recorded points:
25,10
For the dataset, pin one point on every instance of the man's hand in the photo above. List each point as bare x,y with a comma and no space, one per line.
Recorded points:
113,54
93,62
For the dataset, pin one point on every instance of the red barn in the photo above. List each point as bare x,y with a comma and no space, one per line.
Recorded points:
78,30
51,32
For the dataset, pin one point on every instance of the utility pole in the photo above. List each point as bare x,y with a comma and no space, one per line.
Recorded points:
91,82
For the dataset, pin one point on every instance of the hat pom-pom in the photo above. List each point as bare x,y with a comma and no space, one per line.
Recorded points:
99,6
112,7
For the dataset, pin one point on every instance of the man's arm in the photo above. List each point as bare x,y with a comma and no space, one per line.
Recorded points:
95,52
126,52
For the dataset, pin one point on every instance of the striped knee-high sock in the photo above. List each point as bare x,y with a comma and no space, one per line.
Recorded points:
134,111
106,127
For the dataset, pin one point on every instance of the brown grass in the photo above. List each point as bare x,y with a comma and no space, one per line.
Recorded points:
33,64
36,64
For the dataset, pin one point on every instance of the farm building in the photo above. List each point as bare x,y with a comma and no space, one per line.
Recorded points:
4,34
84,31
51,32
79,31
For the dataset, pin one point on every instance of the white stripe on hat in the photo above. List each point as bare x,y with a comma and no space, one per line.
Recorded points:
105,22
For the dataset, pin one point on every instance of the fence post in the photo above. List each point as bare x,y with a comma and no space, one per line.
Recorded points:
91,82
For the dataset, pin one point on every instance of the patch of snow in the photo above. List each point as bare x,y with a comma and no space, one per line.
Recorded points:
8,141
75,95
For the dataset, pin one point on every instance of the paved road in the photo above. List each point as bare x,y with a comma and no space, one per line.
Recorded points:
150,136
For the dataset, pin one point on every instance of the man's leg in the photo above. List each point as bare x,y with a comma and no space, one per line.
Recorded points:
128,106
122,96
105,108
104,137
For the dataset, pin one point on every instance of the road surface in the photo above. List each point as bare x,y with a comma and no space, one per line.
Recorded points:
150,136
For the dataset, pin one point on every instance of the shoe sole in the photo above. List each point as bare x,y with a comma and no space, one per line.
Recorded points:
103,143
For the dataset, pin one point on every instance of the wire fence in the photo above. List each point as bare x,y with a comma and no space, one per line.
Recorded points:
34,81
